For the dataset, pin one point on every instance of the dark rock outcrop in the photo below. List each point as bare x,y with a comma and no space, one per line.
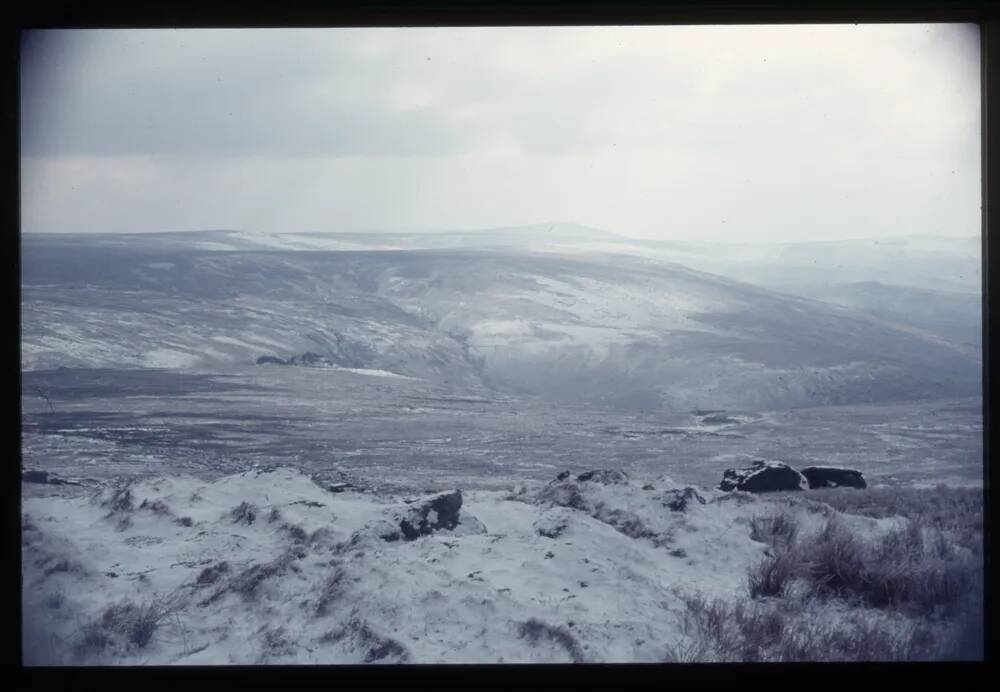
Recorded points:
718,418
438,512
424,517
763,476
264,360
833,477
309,358
603,476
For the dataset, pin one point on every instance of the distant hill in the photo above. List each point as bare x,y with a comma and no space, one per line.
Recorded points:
623,330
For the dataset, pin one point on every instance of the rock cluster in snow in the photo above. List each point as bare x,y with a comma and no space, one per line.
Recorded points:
768,476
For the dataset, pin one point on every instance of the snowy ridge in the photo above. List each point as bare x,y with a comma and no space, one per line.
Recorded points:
267,566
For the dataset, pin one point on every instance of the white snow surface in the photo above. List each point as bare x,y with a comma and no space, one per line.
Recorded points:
309,579
373,372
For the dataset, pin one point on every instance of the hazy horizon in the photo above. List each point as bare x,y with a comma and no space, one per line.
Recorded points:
446,231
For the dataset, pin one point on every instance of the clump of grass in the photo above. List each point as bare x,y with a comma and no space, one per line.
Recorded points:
124,623
93,639
244,513
534,630
914,568
120,500
246,583
956,512
120,504
333,589
625,522
277,643
156,506
63,566
835,561
911,594
376,647
776,528
383,648
772,577
296,533
771,631
210,575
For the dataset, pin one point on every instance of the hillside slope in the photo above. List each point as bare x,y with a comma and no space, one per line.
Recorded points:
620,330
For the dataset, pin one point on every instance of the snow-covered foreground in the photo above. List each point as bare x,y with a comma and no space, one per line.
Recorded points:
267,566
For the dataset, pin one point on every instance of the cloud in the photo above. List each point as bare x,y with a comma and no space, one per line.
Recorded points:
656,131
213,93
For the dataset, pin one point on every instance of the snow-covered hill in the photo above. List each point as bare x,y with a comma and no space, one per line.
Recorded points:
616,329
269,567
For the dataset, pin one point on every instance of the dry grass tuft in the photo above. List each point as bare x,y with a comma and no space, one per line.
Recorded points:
123,624
915,593
535,630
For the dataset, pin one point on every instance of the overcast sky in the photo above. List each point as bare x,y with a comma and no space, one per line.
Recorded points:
727,133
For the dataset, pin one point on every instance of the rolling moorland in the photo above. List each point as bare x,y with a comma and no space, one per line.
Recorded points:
234,418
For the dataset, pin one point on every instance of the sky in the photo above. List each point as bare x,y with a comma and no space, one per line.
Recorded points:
730,133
